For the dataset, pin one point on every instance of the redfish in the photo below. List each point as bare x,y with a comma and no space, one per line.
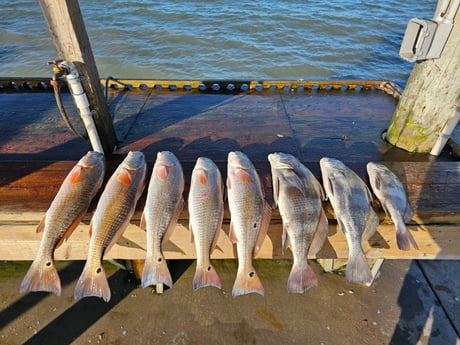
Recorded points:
299,196
206,209
111,218
351,200
62,217
164,204
390,191
250,218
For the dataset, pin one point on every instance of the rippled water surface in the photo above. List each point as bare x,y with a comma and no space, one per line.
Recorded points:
311,40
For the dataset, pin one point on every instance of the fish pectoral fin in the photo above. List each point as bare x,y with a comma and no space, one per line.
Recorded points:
90,230
320,235
263,229
163,172
143,223
71,228
276,183
202,177
191,237
124,177
41,225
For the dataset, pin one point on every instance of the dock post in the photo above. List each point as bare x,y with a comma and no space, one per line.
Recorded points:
66,26
428,107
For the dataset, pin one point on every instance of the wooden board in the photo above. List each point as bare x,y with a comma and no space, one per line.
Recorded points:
20,242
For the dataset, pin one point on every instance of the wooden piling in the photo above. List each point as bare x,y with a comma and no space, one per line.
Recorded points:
429,100
71,41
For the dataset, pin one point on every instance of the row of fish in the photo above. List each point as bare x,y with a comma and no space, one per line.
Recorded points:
297,194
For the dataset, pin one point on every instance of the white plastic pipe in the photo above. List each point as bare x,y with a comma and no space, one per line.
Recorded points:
446,132
81,101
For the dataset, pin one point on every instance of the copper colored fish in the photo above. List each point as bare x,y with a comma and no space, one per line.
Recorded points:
250,218
111,218
63,216
206,209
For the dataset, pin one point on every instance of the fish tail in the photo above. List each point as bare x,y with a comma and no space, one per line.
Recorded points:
404,238
247,282
42,276
156,271
301,278
206,276
93,282
358,270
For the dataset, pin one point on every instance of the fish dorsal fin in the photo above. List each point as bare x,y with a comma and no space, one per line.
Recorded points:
243,176
76,174
71,228
124,177
163,172
263,229
372,221
172,223
41,225
232,234
320,235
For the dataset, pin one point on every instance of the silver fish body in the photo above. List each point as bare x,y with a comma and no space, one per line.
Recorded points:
392,196
111,218
250,217
206,210
62,217
162,209
351,200
299,196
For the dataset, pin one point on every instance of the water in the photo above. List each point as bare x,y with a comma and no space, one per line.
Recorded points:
311,40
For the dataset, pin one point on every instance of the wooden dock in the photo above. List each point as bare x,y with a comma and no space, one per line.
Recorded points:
310,120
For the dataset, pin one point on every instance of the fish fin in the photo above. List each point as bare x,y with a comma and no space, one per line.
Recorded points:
285,241
76,174
320,235
320,189
358,270
41,225
372,222
276,187
202,177
162,172
190,230
93,282
206,276
404,238
301,279
143,223
243,176
71,228
173,221
229,183
156,271
232,234
263,229
90,230
408,213
42,276
125,178
377,182
247,282
217,232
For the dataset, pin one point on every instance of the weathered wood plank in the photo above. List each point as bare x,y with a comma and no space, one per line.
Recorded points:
20,242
